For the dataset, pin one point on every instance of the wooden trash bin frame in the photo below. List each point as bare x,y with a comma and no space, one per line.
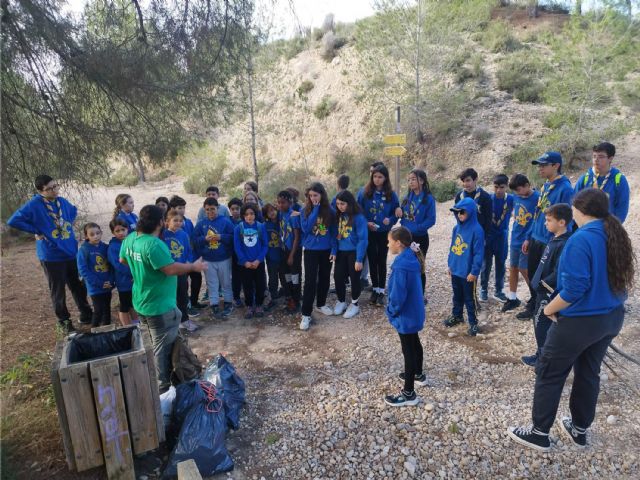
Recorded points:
108,407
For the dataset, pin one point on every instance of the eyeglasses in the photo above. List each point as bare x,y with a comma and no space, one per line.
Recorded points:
51,188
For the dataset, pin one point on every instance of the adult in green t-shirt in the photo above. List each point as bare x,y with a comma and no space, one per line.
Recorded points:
155,285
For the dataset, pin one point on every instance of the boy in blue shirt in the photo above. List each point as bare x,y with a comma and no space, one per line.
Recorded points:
496,243
274,252
465,262
50,218
291,264
94,268
524,205
179,245
213,240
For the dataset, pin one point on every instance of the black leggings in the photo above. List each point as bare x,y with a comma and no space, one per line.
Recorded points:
236,277
196,284
346,267
253,284
423,241
101,309
126,301
292,286
536,249
412,352
182,296
377,250
317,273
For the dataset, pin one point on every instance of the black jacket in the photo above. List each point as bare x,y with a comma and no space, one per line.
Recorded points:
485,206
547,270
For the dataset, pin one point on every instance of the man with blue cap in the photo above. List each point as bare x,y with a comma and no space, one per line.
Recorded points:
556,189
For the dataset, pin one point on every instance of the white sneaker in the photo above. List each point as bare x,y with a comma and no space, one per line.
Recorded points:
339,308
192,326
352,311
305,322
324,310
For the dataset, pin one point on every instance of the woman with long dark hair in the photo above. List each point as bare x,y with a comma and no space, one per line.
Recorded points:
595,272
378,202
418,211
319,230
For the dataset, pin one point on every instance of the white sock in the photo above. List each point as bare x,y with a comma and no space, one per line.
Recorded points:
355,302
512,296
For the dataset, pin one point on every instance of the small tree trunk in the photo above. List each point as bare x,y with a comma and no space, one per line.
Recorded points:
578,9
629,9
140,168
252,117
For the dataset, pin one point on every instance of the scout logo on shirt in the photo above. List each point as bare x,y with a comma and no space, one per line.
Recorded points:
523,217
319,228
411,213
459,246
285,229
63,231
213,243
344,230
250,237
274,241
101,264
176,249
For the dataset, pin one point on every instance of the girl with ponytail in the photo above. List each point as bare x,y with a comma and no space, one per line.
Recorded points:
405,311
595,272
124,210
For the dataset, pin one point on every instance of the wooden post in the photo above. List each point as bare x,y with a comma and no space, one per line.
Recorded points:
62,412
112,416
188,470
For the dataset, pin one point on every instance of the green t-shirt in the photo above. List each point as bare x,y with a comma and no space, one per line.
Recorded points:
154,292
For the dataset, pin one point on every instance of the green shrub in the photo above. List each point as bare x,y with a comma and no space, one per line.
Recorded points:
629,95
201,178
519,74
560,118
498,38
330,45
264,167
277,180
482,134
159,176
237,177
325,107
443,191
305,87
125,175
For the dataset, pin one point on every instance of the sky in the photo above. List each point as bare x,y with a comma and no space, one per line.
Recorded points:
308,12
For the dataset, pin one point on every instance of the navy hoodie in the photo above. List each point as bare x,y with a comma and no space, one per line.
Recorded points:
547,270
315,234
250,242
418,213
274,252
179,245
582,274
405,306
467,242
94,268
353,237
123,277
214,250
378,208
558,191
53,220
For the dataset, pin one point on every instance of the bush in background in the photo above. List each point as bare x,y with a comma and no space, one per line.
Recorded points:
331,43
443,191
498,38
325,107
124,175
519,74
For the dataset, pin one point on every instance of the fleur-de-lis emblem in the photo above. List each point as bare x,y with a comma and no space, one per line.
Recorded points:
101,264
344,230
274,241
63,231
213,243
523,217
459,246
176,249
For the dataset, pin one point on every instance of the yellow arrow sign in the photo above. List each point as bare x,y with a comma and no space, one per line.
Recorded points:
394,151
398,139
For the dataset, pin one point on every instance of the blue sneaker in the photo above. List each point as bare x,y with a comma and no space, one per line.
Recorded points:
529,360
228,308
215,310
484,296
501,297
237,303
473,330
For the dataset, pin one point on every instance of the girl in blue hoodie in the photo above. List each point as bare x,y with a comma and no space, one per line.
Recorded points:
595,271
251,242
378,202
122,273
94,268
124,210
352,247
405,311
465,262
418,212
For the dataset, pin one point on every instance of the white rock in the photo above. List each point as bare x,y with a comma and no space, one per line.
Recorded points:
429,407
410,468
612,419
452,334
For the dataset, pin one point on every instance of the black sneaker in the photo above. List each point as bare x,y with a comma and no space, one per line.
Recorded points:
373,300
577,436
530,437
529,360
215,310
198,305
380,301
452,321
473,330
526,314
402,400
66,326
193,312
510,305
85,318
420,380
227,309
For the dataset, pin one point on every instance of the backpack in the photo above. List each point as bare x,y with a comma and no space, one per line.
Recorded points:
185,363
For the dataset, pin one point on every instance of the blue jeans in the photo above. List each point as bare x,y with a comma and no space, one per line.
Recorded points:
164,331
577,343
464,295
495,249
218,277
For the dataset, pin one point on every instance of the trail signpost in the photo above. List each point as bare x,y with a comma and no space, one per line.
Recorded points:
396,149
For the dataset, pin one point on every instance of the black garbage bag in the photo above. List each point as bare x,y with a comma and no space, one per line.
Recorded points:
202,432
223,375
89,346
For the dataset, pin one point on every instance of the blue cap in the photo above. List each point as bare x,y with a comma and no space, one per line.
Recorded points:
548,158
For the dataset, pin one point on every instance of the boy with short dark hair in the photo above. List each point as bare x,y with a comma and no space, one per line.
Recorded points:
496,245
465,262
470,189
343,184
524,205
544,281
235,205
213,192
291,265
